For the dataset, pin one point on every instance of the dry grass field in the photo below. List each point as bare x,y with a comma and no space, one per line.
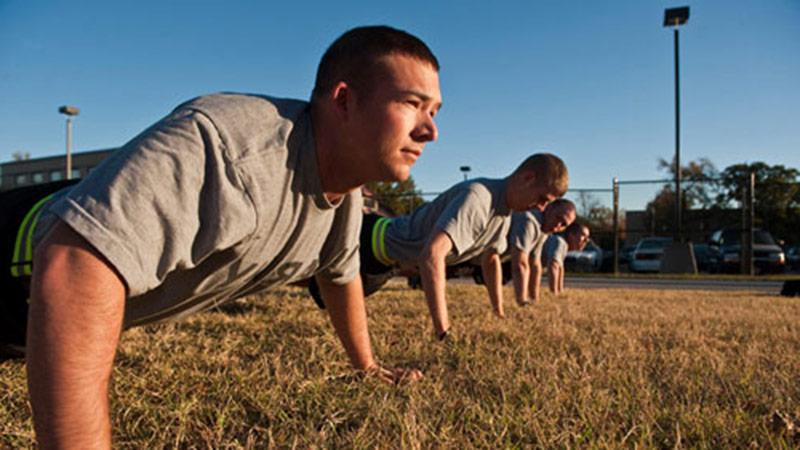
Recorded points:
597,369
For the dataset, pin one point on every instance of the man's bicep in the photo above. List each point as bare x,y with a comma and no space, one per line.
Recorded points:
438,245
64,256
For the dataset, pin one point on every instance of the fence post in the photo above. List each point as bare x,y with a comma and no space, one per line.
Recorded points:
747,243
615,189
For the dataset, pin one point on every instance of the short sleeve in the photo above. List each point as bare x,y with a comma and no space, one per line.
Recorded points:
538,245
524,232
340,257
163,202
465,216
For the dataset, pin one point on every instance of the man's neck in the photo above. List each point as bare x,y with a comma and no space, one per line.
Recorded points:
336,175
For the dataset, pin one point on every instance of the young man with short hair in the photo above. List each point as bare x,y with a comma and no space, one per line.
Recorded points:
529,230
460,224
227,196
555,249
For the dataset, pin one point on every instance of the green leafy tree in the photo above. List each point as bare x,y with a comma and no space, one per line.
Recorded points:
399,197
777,196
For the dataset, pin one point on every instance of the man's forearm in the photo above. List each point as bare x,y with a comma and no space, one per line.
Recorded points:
493,276
535,281
345,305
553,278
74,322
520,272
432,272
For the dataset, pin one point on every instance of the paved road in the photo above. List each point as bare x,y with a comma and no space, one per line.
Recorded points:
768,287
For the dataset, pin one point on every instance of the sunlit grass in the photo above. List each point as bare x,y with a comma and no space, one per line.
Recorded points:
599,368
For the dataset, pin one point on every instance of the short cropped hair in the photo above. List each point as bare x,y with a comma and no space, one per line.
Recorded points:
548,168
576,228
354,56
562,203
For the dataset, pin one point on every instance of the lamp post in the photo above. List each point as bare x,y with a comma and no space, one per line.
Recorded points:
466,170
69,111
675,17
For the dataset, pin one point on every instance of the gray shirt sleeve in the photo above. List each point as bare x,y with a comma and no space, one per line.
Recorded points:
555,250
162,203
525,231
538,246
342,246
465,217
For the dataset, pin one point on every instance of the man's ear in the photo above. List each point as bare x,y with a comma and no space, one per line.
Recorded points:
530,178
341,96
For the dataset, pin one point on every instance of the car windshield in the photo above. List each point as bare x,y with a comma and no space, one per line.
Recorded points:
730,237
653,243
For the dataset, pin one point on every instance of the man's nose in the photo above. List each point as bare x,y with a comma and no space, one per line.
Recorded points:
427,129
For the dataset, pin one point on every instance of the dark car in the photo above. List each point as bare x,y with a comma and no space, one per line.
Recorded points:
702,256
626,254
725,248
793,257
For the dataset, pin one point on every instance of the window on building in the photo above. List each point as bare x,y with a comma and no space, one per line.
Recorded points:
56,175
76,173
38,177
21,179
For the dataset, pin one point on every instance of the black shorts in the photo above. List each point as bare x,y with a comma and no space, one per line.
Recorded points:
374,274
15,205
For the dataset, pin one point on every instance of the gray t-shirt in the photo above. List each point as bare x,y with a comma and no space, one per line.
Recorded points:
472,213
554,250
526,233
218,200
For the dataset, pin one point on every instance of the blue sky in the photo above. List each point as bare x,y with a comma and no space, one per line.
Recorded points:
590,81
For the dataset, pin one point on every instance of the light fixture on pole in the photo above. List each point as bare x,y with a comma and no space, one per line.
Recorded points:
675,17
69,111
466,170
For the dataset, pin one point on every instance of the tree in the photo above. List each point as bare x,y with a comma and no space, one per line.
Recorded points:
698,182
599,219
399,197
777,196
699,188
21,156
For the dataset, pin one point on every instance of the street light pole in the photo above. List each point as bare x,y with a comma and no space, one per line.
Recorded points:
69,111
674,17
466,170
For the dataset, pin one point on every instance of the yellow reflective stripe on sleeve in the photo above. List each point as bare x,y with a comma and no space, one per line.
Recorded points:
382,241
375,227
17,260
378,243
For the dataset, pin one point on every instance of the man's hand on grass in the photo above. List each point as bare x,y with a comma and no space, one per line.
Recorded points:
393,375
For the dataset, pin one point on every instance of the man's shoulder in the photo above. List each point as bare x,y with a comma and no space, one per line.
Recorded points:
247,122
482,190
243,106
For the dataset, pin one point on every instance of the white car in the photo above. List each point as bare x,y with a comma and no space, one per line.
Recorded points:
647,255
587,260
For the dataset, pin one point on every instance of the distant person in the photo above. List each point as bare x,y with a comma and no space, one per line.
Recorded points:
528,233
469,220
229,195
555,250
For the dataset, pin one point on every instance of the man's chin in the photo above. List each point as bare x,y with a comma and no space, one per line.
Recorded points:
397,175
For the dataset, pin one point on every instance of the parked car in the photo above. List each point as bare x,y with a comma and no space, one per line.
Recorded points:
626,254
793,257
590,259
725,247
702,256
646,257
